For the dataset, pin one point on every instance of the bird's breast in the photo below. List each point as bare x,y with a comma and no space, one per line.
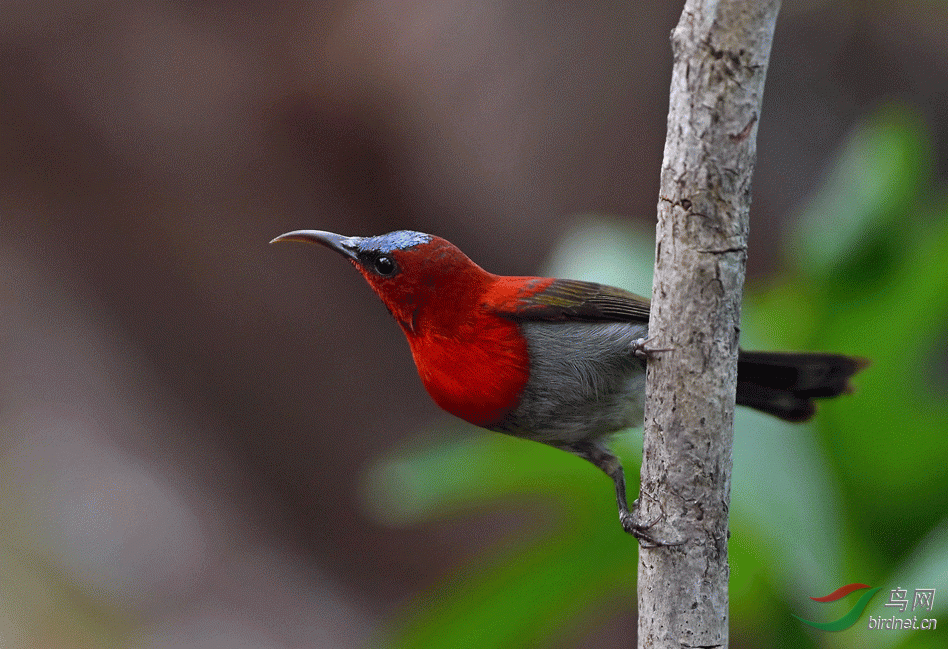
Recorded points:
477,371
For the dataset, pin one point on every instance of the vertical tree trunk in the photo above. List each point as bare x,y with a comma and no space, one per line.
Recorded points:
721,50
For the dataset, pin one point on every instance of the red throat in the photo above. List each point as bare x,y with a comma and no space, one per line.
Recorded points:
473,362
478,372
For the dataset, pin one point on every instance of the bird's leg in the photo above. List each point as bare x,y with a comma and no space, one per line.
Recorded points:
641,349
604,459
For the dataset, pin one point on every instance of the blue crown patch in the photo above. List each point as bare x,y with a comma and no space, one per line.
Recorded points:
398,240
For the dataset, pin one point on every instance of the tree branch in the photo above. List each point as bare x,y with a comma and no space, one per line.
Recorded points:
721,50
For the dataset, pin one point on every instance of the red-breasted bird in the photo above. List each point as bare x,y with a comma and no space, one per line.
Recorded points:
557,361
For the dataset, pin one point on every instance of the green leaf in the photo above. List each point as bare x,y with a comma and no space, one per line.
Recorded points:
527,590
873,183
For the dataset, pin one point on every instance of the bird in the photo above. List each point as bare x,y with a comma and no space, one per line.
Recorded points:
556,361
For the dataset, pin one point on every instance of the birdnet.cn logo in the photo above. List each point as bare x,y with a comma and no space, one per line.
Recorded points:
907,618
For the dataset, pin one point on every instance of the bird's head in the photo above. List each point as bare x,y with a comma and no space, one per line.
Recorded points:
421,278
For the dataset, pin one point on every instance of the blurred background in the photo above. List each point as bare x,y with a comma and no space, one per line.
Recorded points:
207,442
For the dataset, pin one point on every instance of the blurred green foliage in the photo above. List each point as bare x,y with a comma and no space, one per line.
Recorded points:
859,495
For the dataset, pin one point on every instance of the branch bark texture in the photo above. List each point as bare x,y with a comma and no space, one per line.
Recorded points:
721,49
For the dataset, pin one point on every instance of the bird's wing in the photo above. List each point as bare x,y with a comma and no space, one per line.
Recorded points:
568,300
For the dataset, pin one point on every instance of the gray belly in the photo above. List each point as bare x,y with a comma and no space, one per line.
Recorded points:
584,383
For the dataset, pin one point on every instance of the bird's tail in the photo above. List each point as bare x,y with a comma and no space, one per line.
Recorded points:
784,384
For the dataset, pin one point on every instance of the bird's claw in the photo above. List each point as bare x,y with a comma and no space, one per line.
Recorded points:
642,531
641,349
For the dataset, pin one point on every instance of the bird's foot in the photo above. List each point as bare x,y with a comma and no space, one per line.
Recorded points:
641,349
643,531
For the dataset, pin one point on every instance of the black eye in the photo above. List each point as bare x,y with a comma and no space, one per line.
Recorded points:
384,265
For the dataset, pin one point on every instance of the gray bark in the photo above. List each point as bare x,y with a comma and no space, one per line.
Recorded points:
721,49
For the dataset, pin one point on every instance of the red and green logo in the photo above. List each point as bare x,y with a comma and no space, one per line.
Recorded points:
852,616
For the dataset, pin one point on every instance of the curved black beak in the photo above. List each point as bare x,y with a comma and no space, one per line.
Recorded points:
346,246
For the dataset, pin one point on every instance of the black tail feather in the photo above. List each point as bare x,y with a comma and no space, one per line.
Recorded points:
784,384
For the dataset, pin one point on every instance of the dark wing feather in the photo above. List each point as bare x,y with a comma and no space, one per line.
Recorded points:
573,300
